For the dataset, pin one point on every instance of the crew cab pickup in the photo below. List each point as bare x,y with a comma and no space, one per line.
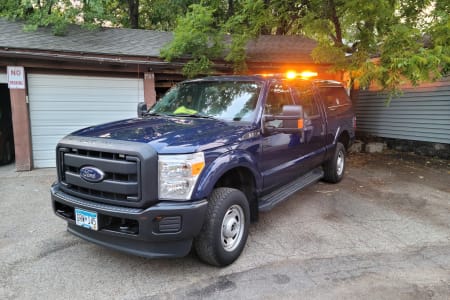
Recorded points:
198,166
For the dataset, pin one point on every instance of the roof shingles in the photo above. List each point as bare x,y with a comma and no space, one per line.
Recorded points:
137,42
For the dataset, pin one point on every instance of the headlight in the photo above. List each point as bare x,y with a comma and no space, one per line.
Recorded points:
178,175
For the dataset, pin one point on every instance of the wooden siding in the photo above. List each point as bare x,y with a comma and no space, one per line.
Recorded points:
420,114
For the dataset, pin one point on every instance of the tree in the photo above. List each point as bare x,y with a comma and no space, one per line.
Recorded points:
148,14
384,41
57,13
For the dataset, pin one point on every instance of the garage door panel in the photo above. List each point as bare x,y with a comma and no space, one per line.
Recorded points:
70,106
42,146
52,130
80,117
45,116
46,160
60,104
93,94
46,80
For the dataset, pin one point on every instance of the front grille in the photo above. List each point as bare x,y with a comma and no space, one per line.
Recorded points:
120,183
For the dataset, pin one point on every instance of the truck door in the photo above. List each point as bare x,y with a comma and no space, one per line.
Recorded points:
280,150
313,141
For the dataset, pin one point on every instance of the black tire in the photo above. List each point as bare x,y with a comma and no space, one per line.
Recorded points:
217,243
335,167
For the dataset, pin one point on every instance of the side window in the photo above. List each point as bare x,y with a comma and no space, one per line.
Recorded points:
278,96
305,98
335,98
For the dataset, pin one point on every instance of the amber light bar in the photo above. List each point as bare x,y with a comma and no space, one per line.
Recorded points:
304,74
293,74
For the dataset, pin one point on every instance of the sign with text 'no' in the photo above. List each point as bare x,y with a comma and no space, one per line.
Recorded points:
16,77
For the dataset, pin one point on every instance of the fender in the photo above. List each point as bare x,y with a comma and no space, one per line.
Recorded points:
222,164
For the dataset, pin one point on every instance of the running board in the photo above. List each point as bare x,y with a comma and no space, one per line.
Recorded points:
267,202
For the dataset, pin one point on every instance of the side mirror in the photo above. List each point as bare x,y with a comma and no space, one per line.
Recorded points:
295,117
141,109
290,120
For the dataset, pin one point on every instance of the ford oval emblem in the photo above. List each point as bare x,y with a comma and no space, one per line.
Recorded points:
92,174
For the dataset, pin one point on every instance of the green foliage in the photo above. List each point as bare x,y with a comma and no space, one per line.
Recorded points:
196,35
210,31
56,13
241,28
385,42
152,14
161,14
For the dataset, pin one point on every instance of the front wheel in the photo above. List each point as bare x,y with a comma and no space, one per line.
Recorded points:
225,230
335,167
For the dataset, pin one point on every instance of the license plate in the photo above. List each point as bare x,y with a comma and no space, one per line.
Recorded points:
87,219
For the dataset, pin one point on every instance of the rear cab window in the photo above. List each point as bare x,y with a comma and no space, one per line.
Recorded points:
335,99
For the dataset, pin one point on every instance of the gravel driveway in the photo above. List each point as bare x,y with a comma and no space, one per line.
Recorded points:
382,233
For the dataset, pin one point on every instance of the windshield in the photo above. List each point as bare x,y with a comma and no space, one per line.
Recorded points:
225,100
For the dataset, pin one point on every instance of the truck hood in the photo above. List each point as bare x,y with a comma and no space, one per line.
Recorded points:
170,134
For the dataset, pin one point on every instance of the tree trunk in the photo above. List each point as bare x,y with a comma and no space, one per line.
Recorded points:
133,13
337,24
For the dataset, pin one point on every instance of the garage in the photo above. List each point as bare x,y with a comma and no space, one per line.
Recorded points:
60,104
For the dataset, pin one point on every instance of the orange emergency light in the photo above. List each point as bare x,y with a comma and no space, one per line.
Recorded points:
291,74
308,74
304,74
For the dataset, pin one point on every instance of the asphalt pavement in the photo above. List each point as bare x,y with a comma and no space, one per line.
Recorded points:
382,233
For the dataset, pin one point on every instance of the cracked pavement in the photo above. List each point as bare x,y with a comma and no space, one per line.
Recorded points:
382,233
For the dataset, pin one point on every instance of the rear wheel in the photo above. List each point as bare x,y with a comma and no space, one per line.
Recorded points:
335,167
225,230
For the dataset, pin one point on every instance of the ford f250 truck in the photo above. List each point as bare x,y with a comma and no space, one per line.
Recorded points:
197,167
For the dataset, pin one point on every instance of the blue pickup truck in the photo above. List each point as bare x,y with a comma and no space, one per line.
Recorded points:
197,167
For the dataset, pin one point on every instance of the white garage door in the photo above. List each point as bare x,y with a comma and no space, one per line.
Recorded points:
60,104
3,78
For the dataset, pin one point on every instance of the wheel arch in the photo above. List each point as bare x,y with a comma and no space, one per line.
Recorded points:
242,179
344,139
235,170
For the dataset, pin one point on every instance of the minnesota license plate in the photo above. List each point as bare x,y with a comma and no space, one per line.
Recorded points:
87,219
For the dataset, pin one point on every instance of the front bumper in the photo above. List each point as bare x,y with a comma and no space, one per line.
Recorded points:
165,229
